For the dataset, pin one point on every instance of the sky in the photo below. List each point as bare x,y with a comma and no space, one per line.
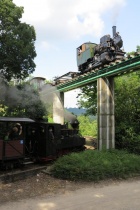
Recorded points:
63,25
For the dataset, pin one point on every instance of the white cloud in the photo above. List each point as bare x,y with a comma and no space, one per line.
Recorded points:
68,18
71,98
46,46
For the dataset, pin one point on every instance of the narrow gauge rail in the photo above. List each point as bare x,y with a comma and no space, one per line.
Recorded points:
22,173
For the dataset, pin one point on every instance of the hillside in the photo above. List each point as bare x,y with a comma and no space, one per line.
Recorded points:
76,111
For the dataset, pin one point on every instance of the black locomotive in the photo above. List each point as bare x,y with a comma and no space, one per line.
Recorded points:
91,55
23,139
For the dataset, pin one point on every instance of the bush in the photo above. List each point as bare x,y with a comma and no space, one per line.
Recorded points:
88,126
127,139
96,165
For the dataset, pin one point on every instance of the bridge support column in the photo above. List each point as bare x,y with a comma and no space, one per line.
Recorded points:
106,119
58,108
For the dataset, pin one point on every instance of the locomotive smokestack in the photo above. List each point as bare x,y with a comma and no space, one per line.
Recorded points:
114,30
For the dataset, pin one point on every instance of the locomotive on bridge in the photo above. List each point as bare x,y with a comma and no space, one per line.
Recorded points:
36,141
91,56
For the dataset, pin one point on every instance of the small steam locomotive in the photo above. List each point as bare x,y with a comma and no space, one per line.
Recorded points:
39,141
91,55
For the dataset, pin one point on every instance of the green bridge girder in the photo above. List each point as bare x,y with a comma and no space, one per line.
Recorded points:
132,64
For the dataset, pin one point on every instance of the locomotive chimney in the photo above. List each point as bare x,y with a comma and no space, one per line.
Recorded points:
74,123
114,30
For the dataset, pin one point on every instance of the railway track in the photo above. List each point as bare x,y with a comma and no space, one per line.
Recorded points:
75,76
22,173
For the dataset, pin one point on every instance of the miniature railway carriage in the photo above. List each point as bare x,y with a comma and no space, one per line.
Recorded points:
12,150
39,141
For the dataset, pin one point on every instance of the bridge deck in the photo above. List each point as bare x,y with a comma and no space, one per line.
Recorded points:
116,69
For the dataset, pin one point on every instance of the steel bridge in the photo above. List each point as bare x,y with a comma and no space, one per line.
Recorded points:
105,95
115,69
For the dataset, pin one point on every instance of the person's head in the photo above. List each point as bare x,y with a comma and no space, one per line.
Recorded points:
15,129
33,130
51,129
42,129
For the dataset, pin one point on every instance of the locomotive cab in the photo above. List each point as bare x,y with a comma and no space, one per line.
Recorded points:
55,139
49,135
84,54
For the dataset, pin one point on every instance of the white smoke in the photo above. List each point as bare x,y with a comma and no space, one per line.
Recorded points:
47,96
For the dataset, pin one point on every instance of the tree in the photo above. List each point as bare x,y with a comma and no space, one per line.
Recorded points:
88,126
134,52
88,99
127,100
138,48
127,112
17,39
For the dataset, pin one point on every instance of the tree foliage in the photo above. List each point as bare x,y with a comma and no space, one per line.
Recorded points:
133,52
88,99
88,127
127,98
138,48
17,39
127,112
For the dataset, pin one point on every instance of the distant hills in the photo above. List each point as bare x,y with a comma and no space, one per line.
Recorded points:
76,111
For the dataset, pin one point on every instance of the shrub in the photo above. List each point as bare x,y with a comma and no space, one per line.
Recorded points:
96,165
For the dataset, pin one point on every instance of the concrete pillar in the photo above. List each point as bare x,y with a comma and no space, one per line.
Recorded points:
58,108
106,119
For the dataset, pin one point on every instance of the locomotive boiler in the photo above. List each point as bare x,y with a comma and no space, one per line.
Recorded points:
92,56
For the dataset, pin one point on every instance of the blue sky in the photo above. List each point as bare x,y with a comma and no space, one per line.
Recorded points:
62,25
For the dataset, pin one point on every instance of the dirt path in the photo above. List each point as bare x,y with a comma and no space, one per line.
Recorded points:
43,192
39,185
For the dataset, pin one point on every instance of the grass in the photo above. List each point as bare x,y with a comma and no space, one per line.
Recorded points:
94,165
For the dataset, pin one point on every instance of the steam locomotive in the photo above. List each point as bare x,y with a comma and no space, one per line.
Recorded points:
39,141
91,55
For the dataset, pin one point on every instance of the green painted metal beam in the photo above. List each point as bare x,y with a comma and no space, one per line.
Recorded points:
132,64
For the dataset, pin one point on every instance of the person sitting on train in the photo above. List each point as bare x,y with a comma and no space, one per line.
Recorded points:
51,133
18,125
32,140
15,132
79,51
